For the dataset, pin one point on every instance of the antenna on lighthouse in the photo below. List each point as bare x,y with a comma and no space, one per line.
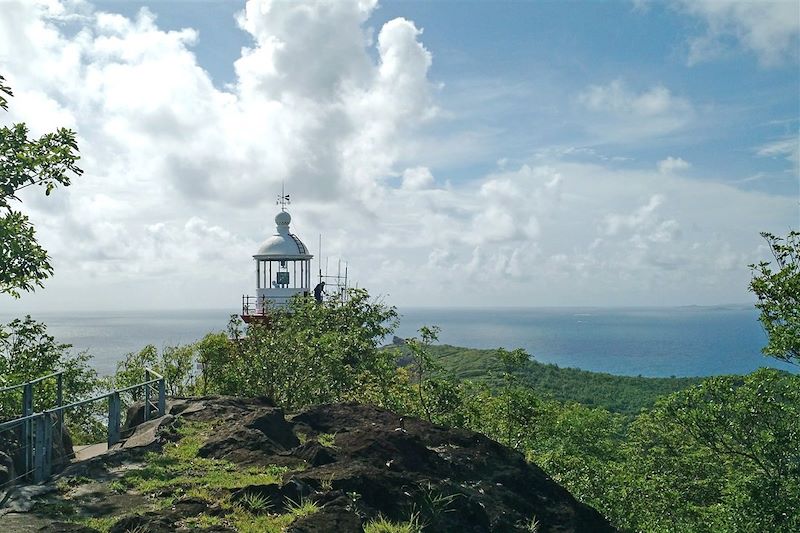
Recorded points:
283,199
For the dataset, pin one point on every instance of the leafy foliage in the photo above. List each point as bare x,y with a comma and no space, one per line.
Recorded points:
4,90
316,353
778,294
48,161
422,364
722,456
176,364
28,352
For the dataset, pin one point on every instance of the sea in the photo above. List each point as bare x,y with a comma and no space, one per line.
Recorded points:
653,342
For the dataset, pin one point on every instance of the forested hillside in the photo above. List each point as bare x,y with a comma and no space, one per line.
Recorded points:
619,394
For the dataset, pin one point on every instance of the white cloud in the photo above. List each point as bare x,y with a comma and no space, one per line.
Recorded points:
181,176
672,164
788,148
623,114
769,29
417,178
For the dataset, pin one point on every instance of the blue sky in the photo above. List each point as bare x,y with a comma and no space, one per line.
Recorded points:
509,153
512,69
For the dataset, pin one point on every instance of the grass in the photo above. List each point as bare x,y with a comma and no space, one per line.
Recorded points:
255,503
100,524
327,439
244,521
65,484
57,509
381,525
532,526
179,471
203,521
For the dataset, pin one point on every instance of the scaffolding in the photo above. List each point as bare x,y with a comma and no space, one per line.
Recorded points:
335,284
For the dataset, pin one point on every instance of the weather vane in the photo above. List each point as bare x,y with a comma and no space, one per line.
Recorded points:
283,199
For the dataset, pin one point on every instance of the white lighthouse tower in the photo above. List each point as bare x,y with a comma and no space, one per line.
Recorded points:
283,270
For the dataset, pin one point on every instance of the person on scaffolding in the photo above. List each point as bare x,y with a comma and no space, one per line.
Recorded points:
319,290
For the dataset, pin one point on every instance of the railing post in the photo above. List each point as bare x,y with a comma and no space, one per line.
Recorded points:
162,397
39,449
146,395
47,443
27,434
113,418
60,403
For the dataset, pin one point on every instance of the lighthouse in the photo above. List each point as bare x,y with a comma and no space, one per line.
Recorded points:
283,270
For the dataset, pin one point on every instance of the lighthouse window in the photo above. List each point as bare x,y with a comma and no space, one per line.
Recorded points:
283,278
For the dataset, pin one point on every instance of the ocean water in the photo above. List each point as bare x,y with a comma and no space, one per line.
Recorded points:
685,341
654,342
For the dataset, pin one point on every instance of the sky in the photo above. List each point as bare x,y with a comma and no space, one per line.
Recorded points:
452,153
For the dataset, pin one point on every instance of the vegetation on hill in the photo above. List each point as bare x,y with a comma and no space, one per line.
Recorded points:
619,394
718,454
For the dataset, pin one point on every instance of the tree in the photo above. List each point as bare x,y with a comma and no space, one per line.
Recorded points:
422,364
48,161
512,362
778,294
28,352
720,456
176,364
315,353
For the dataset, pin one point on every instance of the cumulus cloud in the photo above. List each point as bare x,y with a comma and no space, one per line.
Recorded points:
309,107
672,164
769,29
181,175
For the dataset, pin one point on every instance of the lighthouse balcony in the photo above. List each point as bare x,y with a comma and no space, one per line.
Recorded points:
268,301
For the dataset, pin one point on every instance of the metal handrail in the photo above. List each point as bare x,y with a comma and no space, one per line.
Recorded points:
37,433
10,423
32,382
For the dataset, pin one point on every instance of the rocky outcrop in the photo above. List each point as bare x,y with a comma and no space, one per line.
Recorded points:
356,463
360,461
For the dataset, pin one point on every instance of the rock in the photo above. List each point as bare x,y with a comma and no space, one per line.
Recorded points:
382,464
147,433
335,516
23,498
149,523
262,437
7,472
67,527
135,416
166,521
483,485
62,450
314,453
272,423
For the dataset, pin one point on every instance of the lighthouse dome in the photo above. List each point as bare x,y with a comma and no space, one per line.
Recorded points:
283,244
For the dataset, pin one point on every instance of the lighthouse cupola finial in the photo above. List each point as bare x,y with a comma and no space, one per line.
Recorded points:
283,199
283,218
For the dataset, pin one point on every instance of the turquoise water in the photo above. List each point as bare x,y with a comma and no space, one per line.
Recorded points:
686,341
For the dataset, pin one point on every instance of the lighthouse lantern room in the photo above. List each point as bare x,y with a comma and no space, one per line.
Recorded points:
283,270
